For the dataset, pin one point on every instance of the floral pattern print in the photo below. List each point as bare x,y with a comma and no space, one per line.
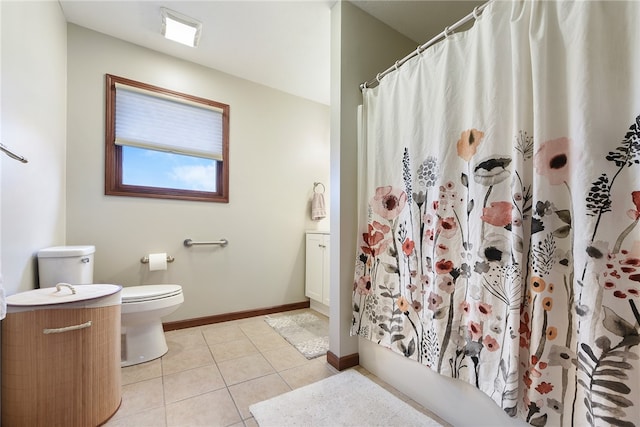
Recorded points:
474,273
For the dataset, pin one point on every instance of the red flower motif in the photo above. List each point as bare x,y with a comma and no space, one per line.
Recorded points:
484,308
382,227
526,378
490,343
498,214
374,241
635,196
475,329
408,246
619,294
553,160
446,284
434,301
544,387
447,227
444,266
363,285
389,202
464,306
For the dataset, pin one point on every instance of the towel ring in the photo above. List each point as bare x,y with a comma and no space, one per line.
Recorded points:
316,184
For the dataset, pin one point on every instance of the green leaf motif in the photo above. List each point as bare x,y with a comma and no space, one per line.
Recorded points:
564,215
594,252
616,324
464,179
397,337
617,422
623,354
616,364
603,343
612,373
589,352
613,410
539,421
621,401
562,232
390,268
613,386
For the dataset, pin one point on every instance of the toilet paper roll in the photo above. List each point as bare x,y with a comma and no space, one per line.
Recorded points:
157,261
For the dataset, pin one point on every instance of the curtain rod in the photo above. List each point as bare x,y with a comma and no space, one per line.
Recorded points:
443,35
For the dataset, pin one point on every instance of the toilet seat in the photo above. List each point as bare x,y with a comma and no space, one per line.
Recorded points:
133,294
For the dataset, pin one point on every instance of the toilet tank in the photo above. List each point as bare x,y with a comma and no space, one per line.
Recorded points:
69,264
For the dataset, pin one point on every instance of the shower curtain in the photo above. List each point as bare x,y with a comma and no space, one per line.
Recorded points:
499,190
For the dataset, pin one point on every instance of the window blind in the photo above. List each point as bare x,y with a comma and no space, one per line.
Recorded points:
161,123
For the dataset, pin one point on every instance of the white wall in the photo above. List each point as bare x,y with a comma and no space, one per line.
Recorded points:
367,47
34,99
279,145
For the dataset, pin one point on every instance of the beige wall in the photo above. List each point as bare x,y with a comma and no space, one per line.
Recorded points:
279,145
361,47
33,123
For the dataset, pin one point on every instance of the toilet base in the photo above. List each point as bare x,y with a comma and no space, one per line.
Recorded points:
142,342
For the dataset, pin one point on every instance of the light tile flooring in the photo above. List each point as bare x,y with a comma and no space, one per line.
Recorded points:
211,374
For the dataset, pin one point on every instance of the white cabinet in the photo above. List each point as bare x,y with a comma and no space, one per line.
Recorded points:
317,267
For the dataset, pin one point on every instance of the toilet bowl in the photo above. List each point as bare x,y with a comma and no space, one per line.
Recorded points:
142,309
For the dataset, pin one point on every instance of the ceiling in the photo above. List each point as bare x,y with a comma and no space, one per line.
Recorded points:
281,44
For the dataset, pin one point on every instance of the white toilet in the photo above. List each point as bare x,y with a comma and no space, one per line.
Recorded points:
142,306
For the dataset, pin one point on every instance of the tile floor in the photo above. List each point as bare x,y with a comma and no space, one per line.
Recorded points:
211,374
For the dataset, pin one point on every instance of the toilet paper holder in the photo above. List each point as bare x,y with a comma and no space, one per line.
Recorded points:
145,259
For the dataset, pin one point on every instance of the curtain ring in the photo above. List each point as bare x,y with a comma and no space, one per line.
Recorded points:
378,78
419,50
396,65
447,32
476,15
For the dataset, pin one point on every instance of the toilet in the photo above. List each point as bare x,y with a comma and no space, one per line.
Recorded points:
142,306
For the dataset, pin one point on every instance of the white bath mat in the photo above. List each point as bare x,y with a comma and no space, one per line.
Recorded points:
348,399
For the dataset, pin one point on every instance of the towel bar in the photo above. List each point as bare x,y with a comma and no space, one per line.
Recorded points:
222,242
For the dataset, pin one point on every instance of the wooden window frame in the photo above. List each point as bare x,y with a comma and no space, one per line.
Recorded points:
113,152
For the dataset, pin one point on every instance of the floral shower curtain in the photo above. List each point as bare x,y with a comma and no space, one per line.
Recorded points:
500,198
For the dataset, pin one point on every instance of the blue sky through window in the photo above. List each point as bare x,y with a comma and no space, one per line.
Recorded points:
152,168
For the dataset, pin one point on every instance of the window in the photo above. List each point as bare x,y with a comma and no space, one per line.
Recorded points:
165,144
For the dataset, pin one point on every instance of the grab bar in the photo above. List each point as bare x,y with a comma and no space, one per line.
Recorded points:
222,242
11,154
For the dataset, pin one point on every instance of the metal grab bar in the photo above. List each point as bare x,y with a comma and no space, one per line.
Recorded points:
222,242
11,154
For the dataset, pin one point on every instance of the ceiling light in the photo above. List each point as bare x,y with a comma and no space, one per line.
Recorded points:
180,28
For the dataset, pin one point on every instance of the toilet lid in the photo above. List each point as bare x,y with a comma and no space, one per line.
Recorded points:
149,292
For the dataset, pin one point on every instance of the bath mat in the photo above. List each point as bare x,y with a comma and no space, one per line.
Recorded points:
346,399
307,332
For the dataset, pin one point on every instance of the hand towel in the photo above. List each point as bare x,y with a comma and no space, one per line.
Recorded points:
318,210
